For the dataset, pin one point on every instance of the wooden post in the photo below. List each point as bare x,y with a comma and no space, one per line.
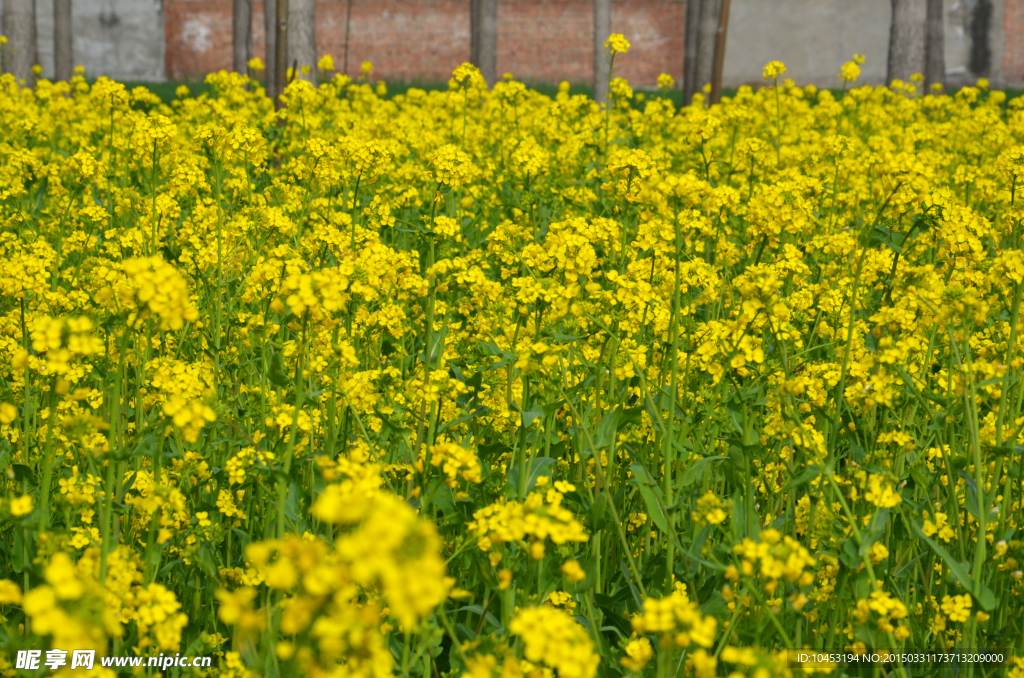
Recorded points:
63,59
906,39
691,48
302,38
934,46
348,33
270,56
474,32
602,29
489,40
719,65
241,34
710,11
483,38
281,56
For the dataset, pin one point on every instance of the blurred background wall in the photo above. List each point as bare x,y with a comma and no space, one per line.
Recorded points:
539,41
120,38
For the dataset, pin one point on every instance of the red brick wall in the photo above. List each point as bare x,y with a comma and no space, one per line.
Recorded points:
1013,31
424,40
198,35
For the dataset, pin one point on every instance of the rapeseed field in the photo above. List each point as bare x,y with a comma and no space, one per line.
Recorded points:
481,383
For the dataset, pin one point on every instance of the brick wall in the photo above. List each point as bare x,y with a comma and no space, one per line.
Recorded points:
550,40
198,36
1013,31
424,40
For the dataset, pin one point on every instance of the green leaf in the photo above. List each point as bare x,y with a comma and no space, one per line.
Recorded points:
995,380
491,450
492,349
971,504
715,606
489,347
606,429
473,385
542,466
921,479
874,531
277,374
168,567
437,344
986,599
563,338
615,620
18,555
880,235
536,412
463,419
640,474
595,517
129,484
935,398
849,555
738,460
441,496
590,569
386,421
807,476
745,522
650,494
292,507
1004,450
632,415
698,468
870,343
479,610
23,473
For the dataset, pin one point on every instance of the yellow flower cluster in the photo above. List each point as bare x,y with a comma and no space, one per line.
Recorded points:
887,609
776,557
391,552
456,462
677,620
879,493
189,417
57,343
68,607
553,638
940,526
244,460
957,608
321,600
452,167
773,70
155,610
149,286
709,510
541,517
617,44
311,384
638,653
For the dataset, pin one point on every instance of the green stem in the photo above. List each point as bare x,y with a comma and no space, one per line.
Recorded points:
300,398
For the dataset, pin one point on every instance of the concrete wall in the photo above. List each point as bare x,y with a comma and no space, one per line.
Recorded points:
123,39
813,37
539,40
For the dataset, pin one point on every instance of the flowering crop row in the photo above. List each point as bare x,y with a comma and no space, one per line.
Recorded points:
487,383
